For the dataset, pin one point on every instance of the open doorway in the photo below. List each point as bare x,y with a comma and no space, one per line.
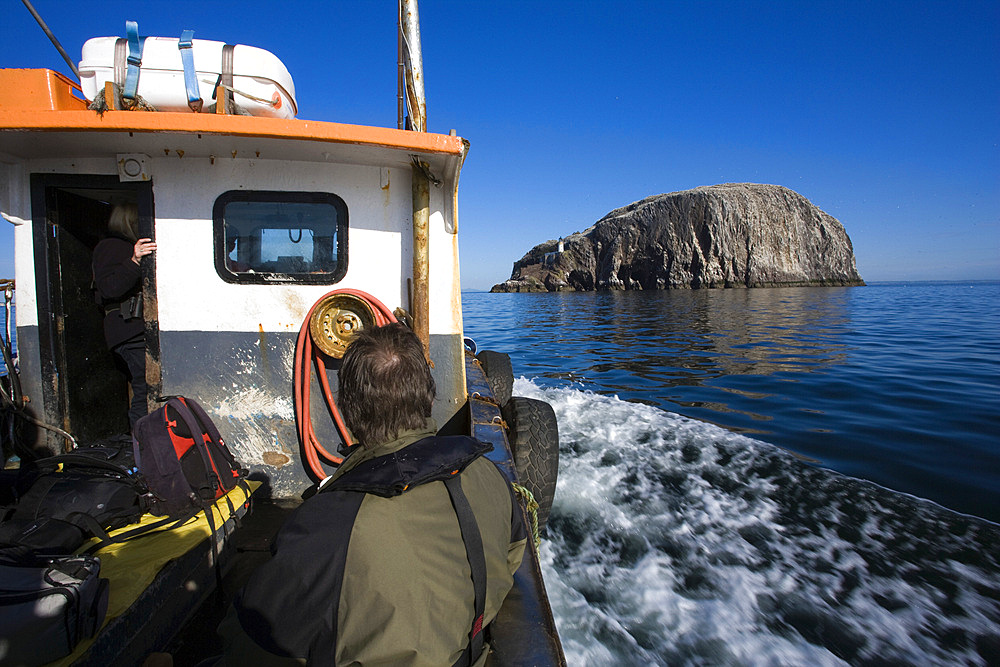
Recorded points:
84,391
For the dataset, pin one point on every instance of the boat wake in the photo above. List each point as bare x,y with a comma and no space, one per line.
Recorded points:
672,541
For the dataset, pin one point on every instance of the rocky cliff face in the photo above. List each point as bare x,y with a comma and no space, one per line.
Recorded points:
731,235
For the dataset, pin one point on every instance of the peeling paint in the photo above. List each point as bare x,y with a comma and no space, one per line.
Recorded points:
254,417
256,403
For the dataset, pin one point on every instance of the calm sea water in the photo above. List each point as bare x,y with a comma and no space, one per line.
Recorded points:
762,476
895,383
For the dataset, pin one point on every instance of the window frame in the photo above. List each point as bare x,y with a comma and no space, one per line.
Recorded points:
278,196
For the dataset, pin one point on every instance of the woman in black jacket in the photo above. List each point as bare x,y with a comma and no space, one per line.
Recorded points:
117,279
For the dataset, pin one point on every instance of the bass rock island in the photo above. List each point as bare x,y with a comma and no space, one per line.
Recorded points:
730,235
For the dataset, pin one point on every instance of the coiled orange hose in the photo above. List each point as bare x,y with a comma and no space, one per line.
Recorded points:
302,385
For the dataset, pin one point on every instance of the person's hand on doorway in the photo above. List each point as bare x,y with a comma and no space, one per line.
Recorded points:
142,248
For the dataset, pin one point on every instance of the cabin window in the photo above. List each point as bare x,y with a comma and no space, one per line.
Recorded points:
280,237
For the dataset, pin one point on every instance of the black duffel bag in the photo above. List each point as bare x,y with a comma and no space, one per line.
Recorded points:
48,605
63,508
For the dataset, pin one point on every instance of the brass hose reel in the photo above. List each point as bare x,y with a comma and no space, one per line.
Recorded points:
336,319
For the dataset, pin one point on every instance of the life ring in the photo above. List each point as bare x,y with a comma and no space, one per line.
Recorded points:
533,435
499,374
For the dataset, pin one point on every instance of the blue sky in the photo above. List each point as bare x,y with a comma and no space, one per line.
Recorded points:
884,114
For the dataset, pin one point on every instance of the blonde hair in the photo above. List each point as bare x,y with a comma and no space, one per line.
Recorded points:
124,221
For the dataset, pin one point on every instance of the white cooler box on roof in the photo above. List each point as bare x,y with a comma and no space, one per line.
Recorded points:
261,84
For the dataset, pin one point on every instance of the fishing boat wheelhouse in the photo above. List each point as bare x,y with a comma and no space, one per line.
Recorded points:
256,220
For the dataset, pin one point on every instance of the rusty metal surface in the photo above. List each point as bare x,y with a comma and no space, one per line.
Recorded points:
420,307
449,378
244,382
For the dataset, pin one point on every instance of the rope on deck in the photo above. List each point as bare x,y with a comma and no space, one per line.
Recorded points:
531,505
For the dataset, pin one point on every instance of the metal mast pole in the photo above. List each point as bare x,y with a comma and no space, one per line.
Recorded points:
413,81
400,74
410,22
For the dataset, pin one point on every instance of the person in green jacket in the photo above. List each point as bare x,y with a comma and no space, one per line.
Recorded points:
376,568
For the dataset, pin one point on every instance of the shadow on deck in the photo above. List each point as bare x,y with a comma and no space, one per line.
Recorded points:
249,547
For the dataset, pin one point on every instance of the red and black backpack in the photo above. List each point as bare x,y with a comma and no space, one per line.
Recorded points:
183,459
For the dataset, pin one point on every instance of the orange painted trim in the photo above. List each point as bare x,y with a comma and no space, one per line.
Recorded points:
31,114
40,89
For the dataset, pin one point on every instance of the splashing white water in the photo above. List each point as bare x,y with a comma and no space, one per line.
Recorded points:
673,541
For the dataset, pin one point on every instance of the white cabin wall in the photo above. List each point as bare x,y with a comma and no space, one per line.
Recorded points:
185,190
192,299
379,207
445,293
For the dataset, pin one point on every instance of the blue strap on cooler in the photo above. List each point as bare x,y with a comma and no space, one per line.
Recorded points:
190,76
134,60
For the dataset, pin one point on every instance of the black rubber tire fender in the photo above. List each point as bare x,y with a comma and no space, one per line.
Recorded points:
534,441
499,374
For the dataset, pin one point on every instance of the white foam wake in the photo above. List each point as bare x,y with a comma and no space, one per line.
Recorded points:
672,541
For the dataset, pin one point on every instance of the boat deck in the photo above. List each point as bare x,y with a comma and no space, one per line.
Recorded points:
159,580
248,548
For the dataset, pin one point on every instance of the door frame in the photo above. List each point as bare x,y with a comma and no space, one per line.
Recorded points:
49,290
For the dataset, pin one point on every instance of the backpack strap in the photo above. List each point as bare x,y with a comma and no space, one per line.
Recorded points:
82,461
198,435
208,426
199,425
98,531
448,456
477,561
85,461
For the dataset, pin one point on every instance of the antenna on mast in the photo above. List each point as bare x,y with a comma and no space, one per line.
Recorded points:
52,38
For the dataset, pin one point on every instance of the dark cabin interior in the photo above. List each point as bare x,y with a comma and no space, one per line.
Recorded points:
85,391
